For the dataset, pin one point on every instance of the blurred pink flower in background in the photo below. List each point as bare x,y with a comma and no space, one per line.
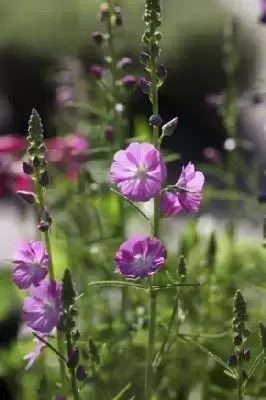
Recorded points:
66,152
12,177
10,144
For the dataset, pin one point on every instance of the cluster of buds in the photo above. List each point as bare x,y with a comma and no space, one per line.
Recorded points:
241,353
68,326
36,168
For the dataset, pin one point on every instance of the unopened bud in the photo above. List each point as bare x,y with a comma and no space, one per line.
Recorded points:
104,11
28,197
145,86
44,179
81,374
246,354
124,62
43,226
96,71
27,168
118,16
155,120
73,358
232,360
109,133
129,81
169,128
162,72
145,59
98,37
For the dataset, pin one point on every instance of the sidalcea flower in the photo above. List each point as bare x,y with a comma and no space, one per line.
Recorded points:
43,306
12,177
31,263
138,171
11,144
65,152
187,195
32,357
140,257
262,15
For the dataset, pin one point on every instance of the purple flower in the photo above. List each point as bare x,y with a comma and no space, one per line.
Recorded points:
31,357
138,171
124,62
262,15
42,308
140,257
188,192
129,81
31,263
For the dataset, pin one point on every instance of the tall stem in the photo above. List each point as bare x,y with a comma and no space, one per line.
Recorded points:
150,351
40,196
74,385
240,383
119,134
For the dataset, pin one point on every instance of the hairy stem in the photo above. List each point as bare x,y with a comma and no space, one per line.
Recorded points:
74,385
150,351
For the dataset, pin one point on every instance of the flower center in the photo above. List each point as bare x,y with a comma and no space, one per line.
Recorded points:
140,261
141,172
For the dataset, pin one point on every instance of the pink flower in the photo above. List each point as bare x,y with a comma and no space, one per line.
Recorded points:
188,193
138,171
262,15
12,144
32,357
12,177
42,308
140,257
67,152
31,263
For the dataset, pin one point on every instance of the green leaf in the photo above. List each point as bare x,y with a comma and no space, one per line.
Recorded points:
116,283
124,390
254,366
209,353
142,131
171,157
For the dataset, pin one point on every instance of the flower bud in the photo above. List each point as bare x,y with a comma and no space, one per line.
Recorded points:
28,197
162,72
246,354
155,120
27,168
129,81
145,85
48,217
43,226
237,340
169,128
36,162
104,11
109,133
96,71
81,373
118,16
73,358
124,62
76,335
155,50
44,179
232,360
145,58
97,37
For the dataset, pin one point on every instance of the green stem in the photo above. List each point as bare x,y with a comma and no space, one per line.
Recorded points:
156,143
240,384
74,385
40,195
150,351
121,138
165,343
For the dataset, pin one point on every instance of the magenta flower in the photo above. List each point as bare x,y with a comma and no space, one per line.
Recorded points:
262,15
138,171
66,152
188,192
42,308
32,357
31,263
140,257
12,144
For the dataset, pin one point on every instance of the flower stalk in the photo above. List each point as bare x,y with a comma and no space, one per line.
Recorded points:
37,159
